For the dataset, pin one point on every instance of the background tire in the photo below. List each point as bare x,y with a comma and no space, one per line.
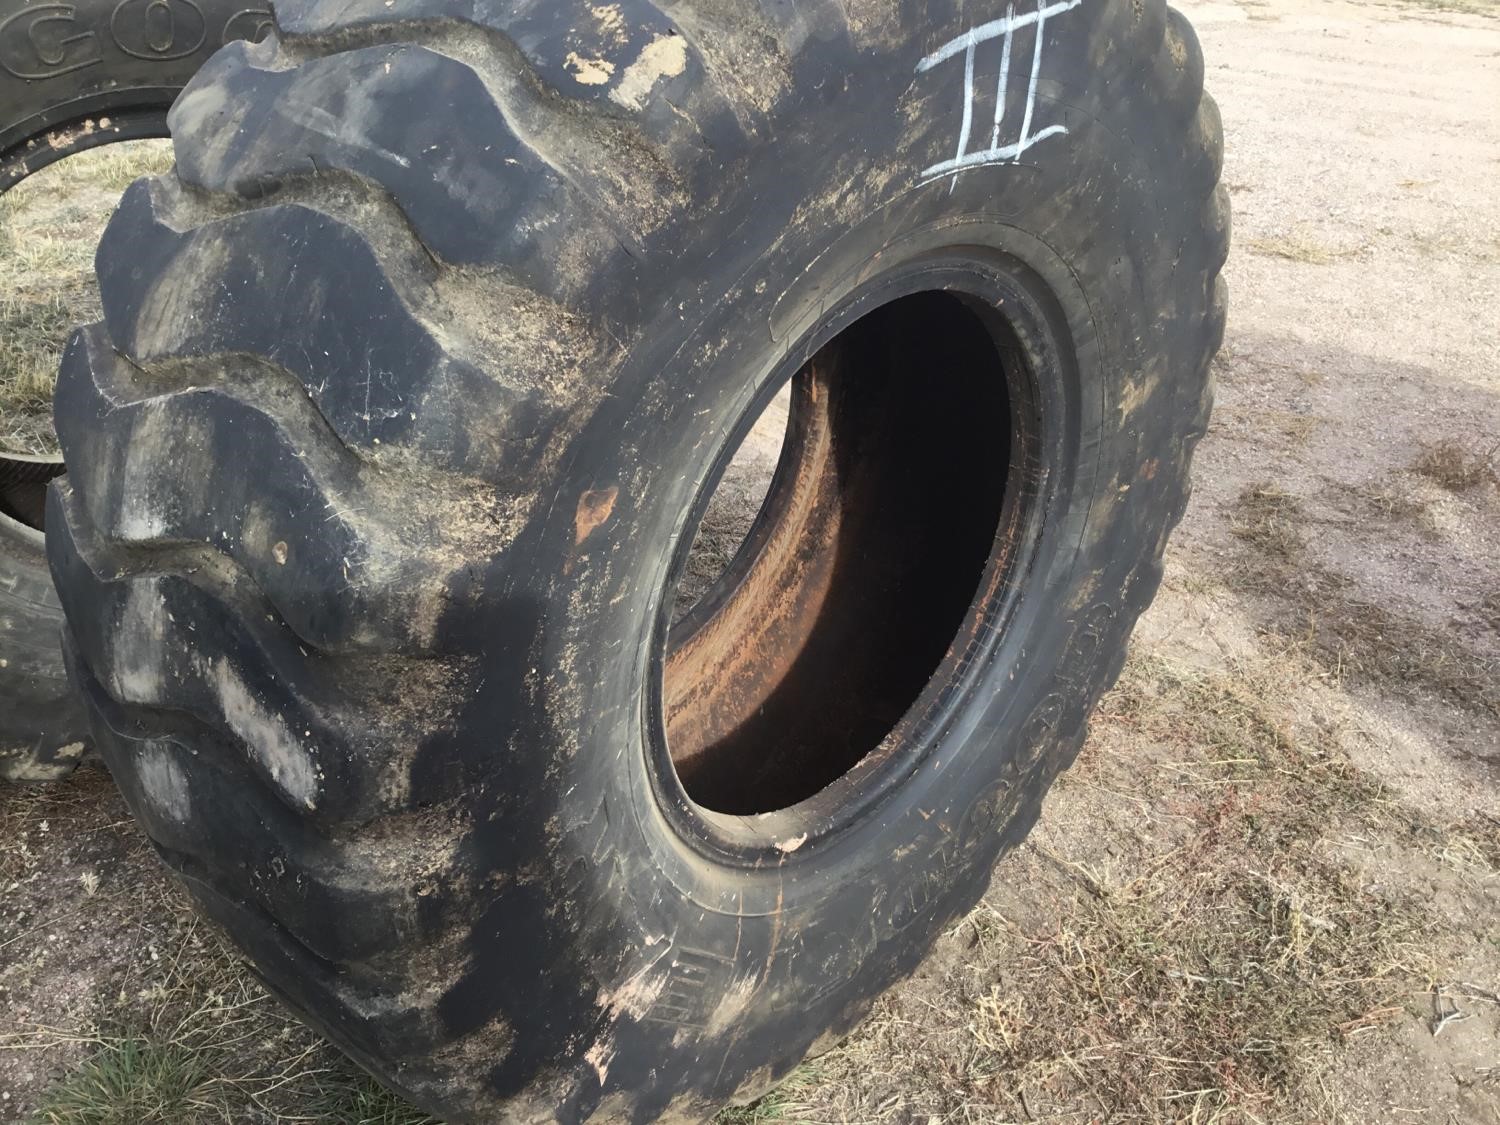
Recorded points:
412,385
42,722
73,77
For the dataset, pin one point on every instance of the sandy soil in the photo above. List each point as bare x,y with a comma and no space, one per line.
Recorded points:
1270,890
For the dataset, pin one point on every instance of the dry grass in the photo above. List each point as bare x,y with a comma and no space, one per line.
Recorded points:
149,1016
49,226
1354,639
779,1103
1269,521
1455,7
1152,1003
1457,467
1202,951
1215,979
1299,246
1389,501
207,1045
733,506
1259,11
1208,965
1467,247
1255,425
1489,610
730,514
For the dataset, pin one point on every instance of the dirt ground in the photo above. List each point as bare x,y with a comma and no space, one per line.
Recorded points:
1270,890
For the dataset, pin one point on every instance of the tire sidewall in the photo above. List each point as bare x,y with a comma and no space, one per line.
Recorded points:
70,64
748,965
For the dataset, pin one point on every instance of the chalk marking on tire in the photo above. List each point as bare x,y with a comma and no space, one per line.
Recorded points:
966,44
163,782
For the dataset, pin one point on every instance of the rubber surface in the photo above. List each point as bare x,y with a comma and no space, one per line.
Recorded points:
73,77
407,385
42,724
69,71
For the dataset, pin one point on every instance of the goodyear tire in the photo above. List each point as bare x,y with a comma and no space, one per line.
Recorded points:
89,72
413,384
74,76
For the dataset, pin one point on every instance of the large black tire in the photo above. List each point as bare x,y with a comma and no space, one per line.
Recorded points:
42,722
73,77
412,384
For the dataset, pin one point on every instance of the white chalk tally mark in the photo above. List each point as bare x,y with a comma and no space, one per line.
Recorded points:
1004,28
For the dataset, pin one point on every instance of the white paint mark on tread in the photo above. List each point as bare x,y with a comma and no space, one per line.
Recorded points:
638,994
968,44
163,783
137,643
316,119
288,762
599,1056
735,1003
140,518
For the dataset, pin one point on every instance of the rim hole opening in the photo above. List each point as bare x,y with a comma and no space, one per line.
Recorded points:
733,509
833,577
50,224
